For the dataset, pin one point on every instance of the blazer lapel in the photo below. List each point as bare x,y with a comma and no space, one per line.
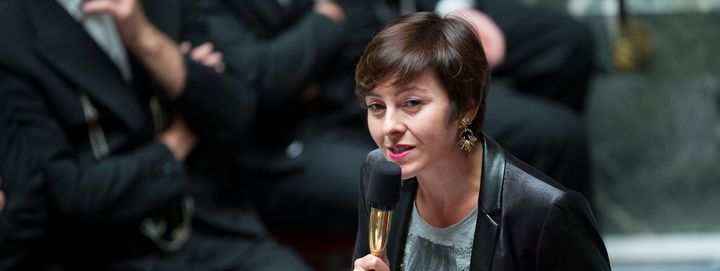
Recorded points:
486,228
66,46
400,224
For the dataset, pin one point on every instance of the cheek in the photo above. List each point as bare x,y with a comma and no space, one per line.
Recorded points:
440,134
375,130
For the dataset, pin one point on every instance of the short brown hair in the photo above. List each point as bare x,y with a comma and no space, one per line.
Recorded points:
415,43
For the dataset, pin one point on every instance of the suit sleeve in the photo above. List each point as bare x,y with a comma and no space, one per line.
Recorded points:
569,238
218,108
279,66
123,187
24,218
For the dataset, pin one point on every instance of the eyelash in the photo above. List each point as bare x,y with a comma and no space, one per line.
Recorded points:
375,107
411,103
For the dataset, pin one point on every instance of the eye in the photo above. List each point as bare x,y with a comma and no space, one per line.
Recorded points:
414,103
375,107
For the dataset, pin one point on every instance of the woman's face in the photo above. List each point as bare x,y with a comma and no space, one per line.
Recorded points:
410,123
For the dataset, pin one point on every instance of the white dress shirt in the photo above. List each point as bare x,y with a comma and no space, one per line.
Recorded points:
102,29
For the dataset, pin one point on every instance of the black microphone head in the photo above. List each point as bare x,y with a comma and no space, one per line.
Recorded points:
384,187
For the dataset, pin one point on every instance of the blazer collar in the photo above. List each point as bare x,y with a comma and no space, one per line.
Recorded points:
490,207
490,201
65,45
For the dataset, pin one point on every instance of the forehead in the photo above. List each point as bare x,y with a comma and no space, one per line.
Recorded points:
426,82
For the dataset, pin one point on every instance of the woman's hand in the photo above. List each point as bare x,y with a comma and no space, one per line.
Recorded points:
371,262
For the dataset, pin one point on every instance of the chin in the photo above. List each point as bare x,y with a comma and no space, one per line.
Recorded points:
407,172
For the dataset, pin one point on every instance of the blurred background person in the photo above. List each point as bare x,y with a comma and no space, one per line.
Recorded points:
135,138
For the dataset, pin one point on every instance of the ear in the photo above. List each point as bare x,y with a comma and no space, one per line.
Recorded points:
471,112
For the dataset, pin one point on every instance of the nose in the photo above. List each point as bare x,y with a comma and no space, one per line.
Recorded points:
393,124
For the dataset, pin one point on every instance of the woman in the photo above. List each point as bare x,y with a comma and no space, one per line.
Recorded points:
465,203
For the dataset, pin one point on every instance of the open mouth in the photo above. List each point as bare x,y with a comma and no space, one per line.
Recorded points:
400,149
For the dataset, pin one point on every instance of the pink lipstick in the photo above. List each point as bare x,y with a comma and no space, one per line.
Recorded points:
398,152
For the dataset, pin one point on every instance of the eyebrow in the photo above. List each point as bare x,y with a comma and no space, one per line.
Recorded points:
401,90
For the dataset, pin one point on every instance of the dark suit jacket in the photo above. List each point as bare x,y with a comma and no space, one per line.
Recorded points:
48,63
277,49
23,220
281,50
526,221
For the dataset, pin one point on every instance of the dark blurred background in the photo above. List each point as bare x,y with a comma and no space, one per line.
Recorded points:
654,127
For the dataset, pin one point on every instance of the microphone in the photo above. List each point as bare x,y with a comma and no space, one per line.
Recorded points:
383,194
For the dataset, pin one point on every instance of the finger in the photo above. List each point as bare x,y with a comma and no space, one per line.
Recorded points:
212,59
185,47
220,57
220,67
358,265
201,51
215,61
370,262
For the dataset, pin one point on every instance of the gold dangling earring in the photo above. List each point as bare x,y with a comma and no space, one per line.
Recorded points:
467,138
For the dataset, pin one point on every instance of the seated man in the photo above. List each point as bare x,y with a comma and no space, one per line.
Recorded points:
134,138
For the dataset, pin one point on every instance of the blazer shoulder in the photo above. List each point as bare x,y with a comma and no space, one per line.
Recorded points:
528,194
521,175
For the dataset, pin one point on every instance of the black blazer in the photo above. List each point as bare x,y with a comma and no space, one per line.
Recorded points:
48,63
526,221
22,221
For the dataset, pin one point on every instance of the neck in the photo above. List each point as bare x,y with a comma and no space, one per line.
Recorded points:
449,191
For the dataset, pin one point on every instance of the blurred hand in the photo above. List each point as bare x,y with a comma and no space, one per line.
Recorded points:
204,54
129,17
488,32
370,262
178,138
329,9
